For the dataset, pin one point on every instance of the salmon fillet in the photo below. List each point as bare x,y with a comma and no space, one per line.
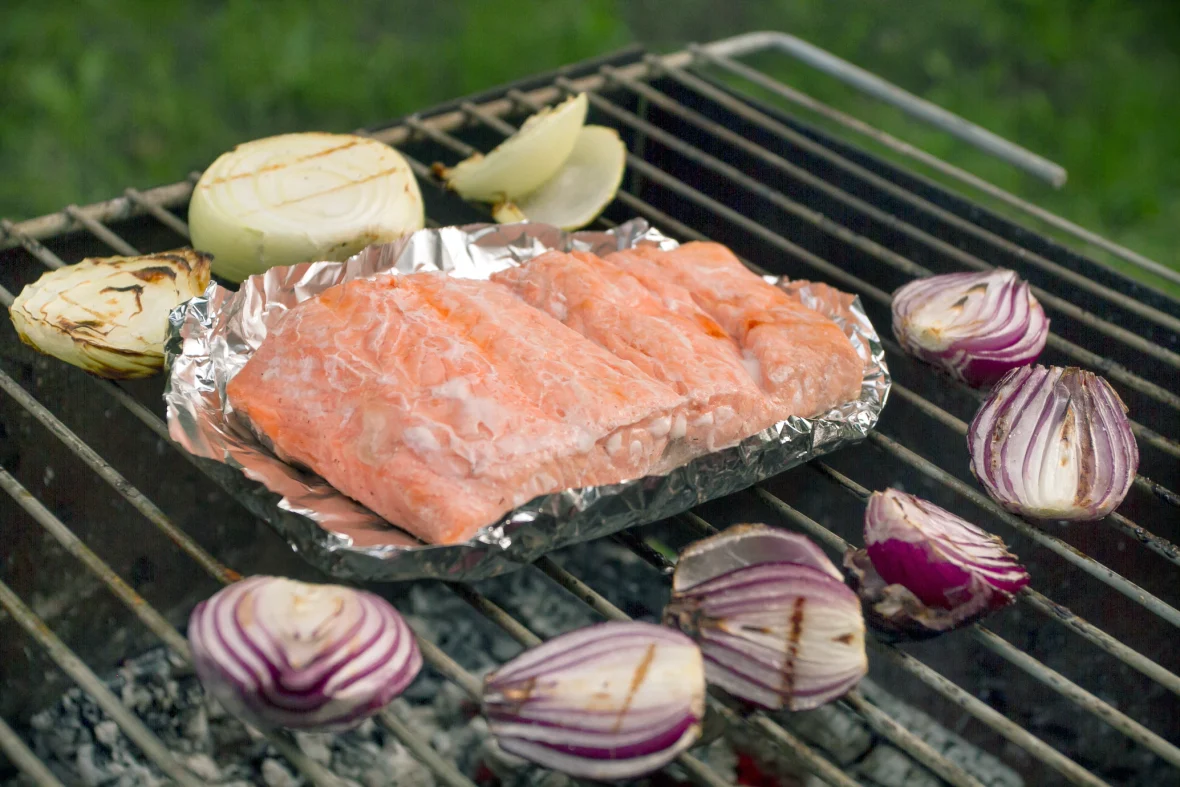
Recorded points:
443,403
688,350
797,355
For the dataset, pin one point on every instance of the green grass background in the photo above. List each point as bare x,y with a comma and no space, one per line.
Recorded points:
95,96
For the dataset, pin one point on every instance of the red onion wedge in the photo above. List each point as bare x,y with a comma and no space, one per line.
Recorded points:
280,653
1054,443
776,624
976,326
925,571
611,701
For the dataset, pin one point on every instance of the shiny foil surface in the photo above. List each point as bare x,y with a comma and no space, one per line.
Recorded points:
212,336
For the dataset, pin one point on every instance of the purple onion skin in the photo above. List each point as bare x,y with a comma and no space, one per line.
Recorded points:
993,324
897,615
777,626
1075,419
925,570
321,658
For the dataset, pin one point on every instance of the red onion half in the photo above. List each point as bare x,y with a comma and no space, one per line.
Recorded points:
776,624
611,701
1054,443
924,570
976,326
280,653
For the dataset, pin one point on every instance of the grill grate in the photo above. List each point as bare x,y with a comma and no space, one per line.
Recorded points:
707,156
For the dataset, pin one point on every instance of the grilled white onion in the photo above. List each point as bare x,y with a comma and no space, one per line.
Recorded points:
580,190
109,315
521,163
301,197
1054,443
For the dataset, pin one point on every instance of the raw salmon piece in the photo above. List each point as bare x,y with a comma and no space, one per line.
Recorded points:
625,416
800,357
369,388
688,352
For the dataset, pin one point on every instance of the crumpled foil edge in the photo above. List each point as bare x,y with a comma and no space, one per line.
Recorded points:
212,336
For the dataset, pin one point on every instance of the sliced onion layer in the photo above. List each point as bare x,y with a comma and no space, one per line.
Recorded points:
1054,443
975,326
924,570
280,653
611,701
580,190
521,163
776,624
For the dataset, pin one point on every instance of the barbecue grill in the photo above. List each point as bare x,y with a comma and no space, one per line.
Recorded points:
1075,683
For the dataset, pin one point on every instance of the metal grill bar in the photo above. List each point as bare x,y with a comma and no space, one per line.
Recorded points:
658,176
1084,699
1128,588
100,232
70,664
787,134
74,545
176,194
877,87
700,772
1160,546
904,148
112,477
878,719
860,242
672,106
1001,647
980,710
159,214
24,759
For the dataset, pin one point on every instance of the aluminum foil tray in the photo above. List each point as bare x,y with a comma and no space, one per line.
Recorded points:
212,336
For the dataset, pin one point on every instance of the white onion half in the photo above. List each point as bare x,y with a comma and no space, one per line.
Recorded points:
280,653
301,197
580,190
521,163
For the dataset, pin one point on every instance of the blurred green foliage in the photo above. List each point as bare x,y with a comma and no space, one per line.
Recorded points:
95,96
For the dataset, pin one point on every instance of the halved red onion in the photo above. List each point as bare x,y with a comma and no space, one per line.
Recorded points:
1054,443
611,701
281,653
776,624
924,570
976,326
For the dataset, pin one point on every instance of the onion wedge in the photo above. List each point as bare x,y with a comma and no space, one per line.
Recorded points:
109,315
580,190
521,163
